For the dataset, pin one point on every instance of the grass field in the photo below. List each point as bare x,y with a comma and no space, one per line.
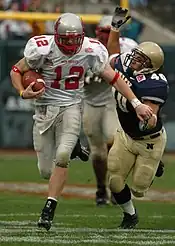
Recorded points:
79,221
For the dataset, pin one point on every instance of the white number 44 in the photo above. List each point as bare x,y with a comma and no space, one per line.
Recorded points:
158,76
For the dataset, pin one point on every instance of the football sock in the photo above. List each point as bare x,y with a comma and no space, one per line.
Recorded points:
123,198
128,207
50,204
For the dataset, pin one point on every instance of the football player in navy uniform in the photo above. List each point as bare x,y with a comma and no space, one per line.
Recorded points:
138,146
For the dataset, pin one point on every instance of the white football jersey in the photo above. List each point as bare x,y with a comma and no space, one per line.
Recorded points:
127,44
64,75
99,94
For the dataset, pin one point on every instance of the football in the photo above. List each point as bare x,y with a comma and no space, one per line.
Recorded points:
33,76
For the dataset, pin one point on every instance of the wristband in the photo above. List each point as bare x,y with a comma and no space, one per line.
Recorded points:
115,78
16,70
21,93
135,103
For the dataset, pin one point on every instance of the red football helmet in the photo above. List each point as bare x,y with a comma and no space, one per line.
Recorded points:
103,29
69,34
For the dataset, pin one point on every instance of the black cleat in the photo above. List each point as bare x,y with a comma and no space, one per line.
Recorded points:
45,220
101,198
129,221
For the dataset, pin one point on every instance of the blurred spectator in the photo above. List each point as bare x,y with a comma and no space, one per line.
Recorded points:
106,12
34,6
138,3
38,27
49,25
24,5
1,5
133,29
13,28
7,3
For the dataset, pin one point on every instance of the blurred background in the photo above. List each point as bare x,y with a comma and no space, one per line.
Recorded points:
152,20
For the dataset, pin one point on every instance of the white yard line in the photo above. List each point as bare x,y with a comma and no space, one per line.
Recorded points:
83,215
14,231
41,240
91,236
62,229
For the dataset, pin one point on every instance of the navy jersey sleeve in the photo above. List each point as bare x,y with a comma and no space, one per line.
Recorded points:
155,91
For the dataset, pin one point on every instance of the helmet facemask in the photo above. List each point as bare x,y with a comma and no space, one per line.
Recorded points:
138,62
69,42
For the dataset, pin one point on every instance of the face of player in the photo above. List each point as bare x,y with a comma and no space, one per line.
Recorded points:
69,41
69,45
139,61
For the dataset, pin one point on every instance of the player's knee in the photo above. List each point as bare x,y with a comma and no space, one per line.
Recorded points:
142,180
63,156
116,182
137,193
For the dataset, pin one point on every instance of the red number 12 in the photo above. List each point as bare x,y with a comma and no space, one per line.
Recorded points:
70,83
41,41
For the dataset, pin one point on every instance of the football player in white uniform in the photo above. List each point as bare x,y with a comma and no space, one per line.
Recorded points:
63,60
99,115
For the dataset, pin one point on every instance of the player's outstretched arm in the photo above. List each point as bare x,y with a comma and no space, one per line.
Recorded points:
113,45
117,80
120,17
16,77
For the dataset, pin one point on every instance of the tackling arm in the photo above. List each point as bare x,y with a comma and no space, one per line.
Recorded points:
113,45
120,17
115,79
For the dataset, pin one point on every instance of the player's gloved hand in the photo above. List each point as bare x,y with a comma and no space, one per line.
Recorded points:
148,124
91,77
143,111
119,18
28,93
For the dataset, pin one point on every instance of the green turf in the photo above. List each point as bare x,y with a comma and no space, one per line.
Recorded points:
79,222
24,169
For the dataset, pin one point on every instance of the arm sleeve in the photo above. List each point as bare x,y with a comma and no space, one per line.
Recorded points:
32,55
157,94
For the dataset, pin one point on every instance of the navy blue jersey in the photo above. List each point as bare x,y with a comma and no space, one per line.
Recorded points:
152,87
